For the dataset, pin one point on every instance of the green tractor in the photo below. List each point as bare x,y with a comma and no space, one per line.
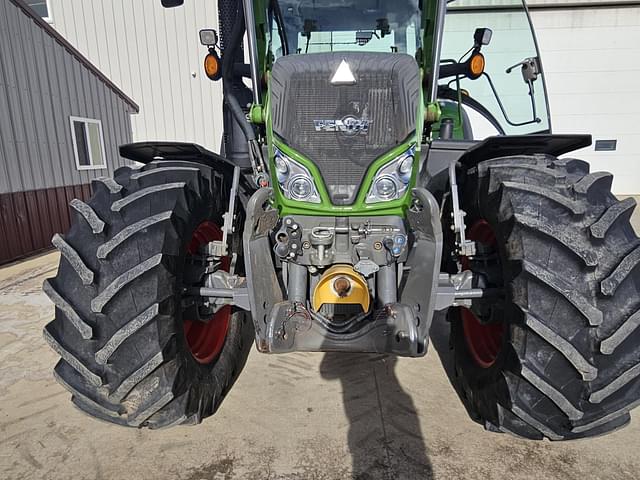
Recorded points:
349,206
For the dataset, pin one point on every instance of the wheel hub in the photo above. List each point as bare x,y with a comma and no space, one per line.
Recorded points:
206,339
484,340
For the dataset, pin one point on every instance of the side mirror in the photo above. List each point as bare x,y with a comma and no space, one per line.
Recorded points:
171,3
208,37
382,24
482,36
530,69
308,27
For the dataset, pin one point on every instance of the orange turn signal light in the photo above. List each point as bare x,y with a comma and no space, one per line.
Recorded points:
212,65
476,64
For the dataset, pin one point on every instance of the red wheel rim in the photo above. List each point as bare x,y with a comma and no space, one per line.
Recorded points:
484,341
206,339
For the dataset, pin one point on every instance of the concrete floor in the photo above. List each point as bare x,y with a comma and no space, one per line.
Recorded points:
297,416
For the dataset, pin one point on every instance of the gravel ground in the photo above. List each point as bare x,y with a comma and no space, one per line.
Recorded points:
296,416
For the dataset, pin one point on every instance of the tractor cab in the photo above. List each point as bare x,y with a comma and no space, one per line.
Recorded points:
491,80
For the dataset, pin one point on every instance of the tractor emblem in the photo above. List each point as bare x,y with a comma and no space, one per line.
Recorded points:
348,125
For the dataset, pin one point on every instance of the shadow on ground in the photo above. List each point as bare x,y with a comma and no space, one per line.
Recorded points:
385,439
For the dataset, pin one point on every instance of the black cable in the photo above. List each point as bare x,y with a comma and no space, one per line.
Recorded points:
450,94
275,6
228,59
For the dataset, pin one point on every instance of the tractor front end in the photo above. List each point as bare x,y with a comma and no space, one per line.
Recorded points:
348,225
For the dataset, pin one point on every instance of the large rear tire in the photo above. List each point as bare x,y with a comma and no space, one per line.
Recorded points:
559,355
126,355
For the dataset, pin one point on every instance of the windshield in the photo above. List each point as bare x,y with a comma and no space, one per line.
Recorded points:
512,42
349,25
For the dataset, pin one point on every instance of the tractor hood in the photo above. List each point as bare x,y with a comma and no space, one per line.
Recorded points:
343,110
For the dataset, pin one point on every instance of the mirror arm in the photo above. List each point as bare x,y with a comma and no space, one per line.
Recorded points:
510,69
533,102
504,112
452,70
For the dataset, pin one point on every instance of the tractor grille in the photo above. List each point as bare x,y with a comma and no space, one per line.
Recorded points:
384,98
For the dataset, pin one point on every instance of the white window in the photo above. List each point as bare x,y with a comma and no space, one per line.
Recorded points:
42,8
88,143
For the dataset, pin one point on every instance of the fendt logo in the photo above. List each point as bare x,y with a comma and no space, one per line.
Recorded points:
349,125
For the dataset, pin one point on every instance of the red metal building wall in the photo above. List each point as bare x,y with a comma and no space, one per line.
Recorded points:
29,219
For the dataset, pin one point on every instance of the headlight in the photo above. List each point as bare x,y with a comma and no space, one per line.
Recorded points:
392,180
300,188
294,179
385,188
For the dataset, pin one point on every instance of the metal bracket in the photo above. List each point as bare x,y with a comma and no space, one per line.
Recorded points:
224,288
220,248
466,248
456,290
260,174
237,296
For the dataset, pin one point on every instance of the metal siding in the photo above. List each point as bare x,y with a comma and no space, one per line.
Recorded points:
41,85
37,139
61,109
150,52
48,139
80,110
112,149
10,129
157,75
54,112
29,219
4,119
69,107
4,173
107,128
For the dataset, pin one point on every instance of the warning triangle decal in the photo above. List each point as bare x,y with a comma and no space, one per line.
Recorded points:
343,75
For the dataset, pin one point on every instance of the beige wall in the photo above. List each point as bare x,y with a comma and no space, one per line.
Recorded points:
151,53
591,60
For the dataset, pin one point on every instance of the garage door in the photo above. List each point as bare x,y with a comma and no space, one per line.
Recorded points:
591,58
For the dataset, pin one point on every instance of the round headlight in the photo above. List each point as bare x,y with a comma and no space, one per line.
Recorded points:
282,165
282,168
385,188
300,188
406,165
